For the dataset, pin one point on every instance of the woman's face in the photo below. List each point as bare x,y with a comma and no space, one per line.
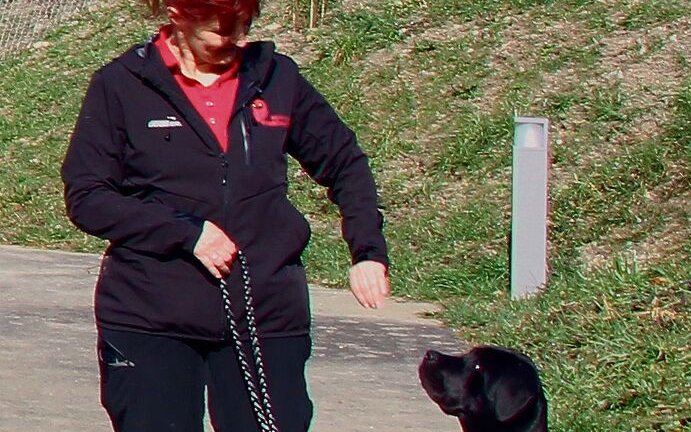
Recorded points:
211,42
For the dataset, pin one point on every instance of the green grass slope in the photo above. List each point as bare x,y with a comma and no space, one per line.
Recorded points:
431,88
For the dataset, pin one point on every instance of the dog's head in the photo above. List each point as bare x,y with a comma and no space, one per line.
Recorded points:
486,386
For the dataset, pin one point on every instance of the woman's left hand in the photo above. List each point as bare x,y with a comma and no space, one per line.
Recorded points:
369,283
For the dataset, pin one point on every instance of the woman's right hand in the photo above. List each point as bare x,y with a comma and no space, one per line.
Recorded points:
215,250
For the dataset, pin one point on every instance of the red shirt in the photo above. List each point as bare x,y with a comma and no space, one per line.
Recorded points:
215,102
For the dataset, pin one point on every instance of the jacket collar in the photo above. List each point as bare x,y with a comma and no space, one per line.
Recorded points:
257,62
255,71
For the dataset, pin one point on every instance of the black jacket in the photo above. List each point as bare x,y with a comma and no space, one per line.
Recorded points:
143,170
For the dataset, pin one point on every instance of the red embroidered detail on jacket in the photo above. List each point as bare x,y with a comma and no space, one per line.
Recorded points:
262,115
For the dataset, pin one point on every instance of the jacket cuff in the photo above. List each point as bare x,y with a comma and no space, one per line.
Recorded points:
370,255
193,233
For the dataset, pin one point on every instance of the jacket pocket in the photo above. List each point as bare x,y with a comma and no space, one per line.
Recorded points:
264,161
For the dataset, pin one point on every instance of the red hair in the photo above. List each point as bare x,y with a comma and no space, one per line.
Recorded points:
238,11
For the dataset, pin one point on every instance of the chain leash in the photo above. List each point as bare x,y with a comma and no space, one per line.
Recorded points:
256,385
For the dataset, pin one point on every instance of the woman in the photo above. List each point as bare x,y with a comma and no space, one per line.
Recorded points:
178,158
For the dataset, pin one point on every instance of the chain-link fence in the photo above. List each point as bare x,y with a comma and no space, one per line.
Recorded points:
22,22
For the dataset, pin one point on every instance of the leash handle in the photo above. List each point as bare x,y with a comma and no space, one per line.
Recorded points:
254,383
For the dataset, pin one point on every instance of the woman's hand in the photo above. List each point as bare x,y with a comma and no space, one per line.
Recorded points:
369,283
215,250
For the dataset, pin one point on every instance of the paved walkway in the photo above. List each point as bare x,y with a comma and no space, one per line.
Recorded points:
363,372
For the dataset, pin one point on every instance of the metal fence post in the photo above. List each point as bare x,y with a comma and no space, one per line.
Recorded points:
24,22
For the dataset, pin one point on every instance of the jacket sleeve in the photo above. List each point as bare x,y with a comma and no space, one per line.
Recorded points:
93,175
327,149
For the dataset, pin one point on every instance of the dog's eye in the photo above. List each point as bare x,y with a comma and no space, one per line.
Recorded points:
477,367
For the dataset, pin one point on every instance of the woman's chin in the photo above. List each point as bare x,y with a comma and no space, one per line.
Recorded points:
216,64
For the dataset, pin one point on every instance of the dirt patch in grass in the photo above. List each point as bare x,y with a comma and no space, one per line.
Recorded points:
288,41
664,245
646,63
528,45
646,66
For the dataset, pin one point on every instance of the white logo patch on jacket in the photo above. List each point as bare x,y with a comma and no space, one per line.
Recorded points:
169,122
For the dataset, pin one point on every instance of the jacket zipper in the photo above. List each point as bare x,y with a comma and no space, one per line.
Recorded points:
246,121
246,143
225,184
245,125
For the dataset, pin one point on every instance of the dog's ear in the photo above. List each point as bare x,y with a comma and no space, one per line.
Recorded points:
511,398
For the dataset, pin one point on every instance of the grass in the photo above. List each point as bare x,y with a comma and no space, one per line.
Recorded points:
431,88
611,344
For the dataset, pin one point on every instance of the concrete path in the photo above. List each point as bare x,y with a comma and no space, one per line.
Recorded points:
363,372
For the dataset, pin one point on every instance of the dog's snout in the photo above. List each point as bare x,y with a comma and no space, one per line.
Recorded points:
432,356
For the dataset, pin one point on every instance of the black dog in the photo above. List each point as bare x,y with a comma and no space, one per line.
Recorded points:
489,389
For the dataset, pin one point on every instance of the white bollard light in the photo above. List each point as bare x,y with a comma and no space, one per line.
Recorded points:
529,206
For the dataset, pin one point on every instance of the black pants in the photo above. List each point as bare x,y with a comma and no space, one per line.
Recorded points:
156,384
